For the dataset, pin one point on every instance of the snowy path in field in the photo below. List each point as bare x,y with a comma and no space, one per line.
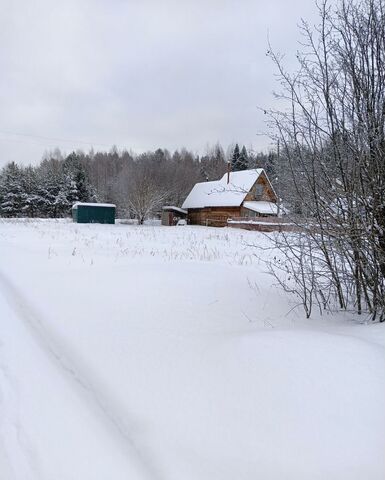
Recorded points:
150,353
53,352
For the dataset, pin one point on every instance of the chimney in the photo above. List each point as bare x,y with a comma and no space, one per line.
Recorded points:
228,172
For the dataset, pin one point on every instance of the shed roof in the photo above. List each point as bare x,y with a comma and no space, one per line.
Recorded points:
220,193
83,204
174,209
263,207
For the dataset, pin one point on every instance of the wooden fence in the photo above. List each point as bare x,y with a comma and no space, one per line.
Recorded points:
263,224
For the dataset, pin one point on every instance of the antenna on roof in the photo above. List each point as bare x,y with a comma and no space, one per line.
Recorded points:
228,172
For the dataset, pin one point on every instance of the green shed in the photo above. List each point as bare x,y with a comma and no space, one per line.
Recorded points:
93,212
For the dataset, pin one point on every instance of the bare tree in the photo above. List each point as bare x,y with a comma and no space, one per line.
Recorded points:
332,137
145,196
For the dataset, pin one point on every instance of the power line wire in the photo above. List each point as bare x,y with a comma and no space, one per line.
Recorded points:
53,139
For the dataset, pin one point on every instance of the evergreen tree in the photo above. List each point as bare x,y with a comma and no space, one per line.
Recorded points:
77,183
82,185
11,191
243,160
62,204
34,201
235,159
50,180
51,183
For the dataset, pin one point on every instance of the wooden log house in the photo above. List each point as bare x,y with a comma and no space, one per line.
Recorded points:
246,193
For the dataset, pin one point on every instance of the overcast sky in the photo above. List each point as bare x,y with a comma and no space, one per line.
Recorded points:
139,74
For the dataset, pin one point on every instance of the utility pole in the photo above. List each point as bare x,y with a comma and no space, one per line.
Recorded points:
278,199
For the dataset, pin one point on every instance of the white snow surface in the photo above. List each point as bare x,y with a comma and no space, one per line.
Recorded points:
83,204
260,206
220,193
141,352
176,209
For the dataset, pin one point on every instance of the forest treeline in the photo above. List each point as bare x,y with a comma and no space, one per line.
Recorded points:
139,184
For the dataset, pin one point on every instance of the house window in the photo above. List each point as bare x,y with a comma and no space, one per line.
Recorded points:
258,191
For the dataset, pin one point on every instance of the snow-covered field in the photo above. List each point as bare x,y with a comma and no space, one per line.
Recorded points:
160,353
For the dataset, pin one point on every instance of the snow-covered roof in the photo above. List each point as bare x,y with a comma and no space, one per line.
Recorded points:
260,206
220,193
82,204
176,209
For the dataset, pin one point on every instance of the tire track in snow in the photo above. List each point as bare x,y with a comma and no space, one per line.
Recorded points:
15,448
32,319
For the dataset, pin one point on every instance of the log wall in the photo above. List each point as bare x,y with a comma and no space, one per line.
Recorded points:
268,194
212,216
